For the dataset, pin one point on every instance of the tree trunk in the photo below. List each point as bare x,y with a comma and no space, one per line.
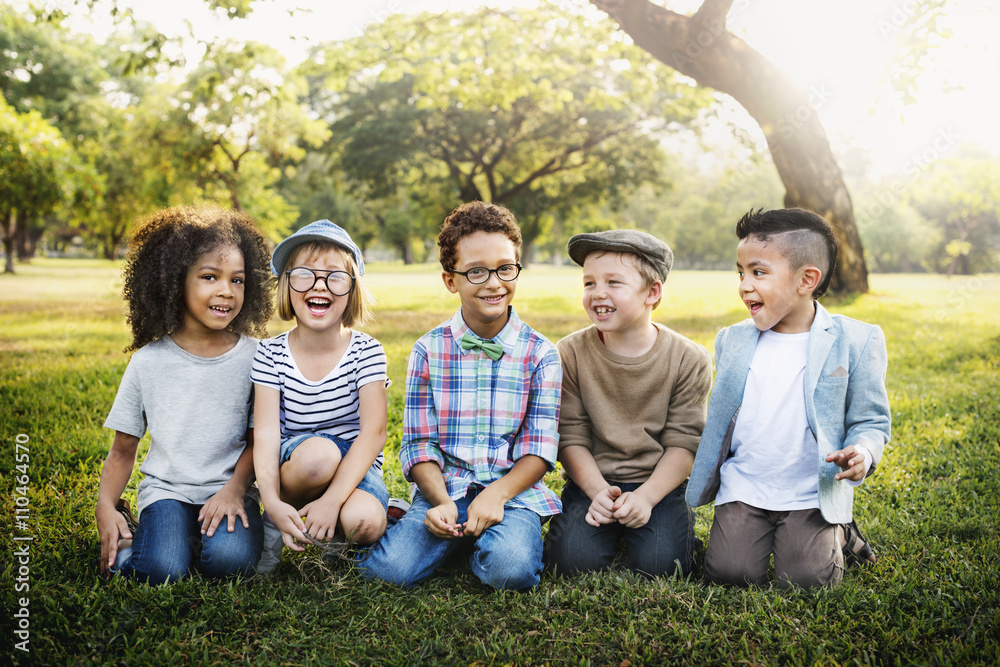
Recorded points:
34,235
701,47
405,250
23,246
9,224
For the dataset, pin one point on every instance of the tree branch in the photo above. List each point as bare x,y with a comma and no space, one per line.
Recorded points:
713,11
702,48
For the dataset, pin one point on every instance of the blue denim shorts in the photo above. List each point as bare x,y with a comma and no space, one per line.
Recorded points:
372,482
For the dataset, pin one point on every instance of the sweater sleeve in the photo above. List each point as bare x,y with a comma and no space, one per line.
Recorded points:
688,405
574,424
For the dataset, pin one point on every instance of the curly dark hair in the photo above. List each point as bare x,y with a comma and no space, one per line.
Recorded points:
472,217
165,247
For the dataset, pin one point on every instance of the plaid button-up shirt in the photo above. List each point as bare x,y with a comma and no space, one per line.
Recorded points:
475,417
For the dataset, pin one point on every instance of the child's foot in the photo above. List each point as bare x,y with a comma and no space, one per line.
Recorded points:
397,509
856,549
123,509
270,555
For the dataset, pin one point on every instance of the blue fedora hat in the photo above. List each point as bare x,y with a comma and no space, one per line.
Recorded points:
321,230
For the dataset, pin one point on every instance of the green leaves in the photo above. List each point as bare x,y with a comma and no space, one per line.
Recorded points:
528,108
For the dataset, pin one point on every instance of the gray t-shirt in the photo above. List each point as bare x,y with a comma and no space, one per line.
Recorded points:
197,411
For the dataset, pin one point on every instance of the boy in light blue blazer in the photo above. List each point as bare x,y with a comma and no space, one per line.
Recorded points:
798,416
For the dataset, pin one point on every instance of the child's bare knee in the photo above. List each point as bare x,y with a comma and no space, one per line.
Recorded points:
315,464
364,531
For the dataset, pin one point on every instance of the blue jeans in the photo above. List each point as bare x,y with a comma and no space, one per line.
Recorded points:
573,546
167,543
507,556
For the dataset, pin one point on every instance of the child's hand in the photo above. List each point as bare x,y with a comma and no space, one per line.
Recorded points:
633,510
442,520
320,517
287,519
226,504
851,460
484,511
601,509
111,527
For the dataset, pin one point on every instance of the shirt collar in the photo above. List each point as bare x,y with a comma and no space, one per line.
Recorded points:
507,337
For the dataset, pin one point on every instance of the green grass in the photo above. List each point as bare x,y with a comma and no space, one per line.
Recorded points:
932,511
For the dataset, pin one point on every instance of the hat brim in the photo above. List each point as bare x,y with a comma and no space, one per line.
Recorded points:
580,248
285,249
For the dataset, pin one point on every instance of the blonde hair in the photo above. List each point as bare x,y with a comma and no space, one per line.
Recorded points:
360,301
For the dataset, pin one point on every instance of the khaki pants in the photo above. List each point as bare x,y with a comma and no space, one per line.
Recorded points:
807,549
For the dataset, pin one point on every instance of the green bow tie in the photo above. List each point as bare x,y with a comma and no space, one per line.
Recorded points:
493,350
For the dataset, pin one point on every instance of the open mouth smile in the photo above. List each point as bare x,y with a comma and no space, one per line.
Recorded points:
603,311
754,306
318,305
221,311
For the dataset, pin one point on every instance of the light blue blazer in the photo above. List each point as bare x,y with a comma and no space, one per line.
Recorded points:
846,403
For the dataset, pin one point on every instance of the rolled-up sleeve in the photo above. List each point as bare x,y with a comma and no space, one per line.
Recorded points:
420,423
540,434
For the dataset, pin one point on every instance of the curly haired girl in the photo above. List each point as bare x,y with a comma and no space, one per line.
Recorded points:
197,288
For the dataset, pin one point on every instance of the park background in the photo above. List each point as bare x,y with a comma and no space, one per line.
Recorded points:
106,117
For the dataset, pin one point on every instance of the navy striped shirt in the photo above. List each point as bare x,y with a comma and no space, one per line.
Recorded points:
329,405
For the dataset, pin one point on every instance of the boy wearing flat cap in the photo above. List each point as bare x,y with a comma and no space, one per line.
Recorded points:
633,406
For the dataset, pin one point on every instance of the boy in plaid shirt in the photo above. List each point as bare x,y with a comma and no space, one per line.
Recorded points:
480,426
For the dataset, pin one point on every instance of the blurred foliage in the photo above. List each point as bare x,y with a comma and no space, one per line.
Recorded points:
916,28
539,110
38,170
554,115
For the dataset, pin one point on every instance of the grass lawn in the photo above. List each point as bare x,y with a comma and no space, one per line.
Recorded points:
932,511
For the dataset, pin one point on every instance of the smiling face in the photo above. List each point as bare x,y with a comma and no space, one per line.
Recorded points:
615,295
318,308
213,290
779,298
484,306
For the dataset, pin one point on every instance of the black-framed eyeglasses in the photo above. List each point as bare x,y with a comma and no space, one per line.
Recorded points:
338,283
478,275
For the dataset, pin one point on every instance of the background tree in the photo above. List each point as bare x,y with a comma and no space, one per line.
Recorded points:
35,164
47,68
529,108
246,108
897,238
701,47
959,196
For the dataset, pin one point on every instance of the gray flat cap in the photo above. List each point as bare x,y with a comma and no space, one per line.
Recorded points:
647,246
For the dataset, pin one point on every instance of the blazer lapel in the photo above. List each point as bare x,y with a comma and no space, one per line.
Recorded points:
820,343
744,344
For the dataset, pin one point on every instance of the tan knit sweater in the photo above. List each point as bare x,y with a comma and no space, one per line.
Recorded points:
628,410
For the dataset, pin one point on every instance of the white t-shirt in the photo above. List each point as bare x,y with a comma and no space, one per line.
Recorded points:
330,405
774,465
197,411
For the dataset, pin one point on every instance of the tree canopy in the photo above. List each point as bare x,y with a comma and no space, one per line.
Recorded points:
35,168
550,111
534,109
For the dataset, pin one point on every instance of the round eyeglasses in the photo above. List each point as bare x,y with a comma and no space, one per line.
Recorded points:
338,283
478,275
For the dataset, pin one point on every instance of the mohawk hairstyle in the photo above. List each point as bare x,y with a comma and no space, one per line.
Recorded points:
802,237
